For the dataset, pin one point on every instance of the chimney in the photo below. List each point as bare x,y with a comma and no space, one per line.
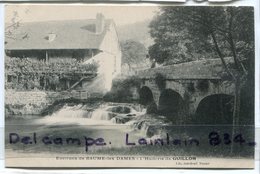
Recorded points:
100,23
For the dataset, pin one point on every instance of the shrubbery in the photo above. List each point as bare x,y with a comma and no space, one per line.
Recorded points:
30,73
160,81
59,65
122,90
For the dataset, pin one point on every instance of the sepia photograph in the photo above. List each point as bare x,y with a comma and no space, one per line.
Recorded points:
127,86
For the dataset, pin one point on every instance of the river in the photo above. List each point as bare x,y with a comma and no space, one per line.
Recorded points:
110,121
118,125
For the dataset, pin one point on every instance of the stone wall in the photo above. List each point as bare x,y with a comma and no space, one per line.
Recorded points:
191,98
25,97
33,102
25,102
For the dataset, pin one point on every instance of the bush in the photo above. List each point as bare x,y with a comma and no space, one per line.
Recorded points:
30,73
122,90
59,65
160,81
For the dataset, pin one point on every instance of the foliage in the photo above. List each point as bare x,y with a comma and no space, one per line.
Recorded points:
138,31
182,34
122,90
14,23
29,73
133,53
59,65
160,81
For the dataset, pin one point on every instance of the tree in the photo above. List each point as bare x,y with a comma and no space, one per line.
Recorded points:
174,40
208,32
133,53
14,24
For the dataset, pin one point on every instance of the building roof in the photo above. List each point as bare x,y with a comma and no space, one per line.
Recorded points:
201,69
69,34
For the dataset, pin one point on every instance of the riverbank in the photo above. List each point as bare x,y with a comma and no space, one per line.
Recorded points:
38,102
97,127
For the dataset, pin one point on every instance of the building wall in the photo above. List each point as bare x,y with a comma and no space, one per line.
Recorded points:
105,74
111,46
109,61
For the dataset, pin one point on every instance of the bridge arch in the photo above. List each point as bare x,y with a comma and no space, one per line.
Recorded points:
170,104
147,99
215,109
146,95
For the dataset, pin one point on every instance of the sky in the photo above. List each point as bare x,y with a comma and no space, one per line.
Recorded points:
122,14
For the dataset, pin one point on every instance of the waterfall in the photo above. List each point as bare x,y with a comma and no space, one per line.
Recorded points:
80,115
113,120
100,114
72,112
144,129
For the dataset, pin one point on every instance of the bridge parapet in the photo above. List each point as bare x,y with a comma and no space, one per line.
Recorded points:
201,69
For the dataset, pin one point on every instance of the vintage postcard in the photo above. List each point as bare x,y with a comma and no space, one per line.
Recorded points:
111,86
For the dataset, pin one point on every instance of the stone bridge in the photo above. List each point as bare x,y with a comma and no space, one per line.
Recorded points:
187,88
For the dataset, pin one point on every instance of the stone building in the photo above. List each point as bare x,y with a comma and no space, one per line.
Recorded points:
61,44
